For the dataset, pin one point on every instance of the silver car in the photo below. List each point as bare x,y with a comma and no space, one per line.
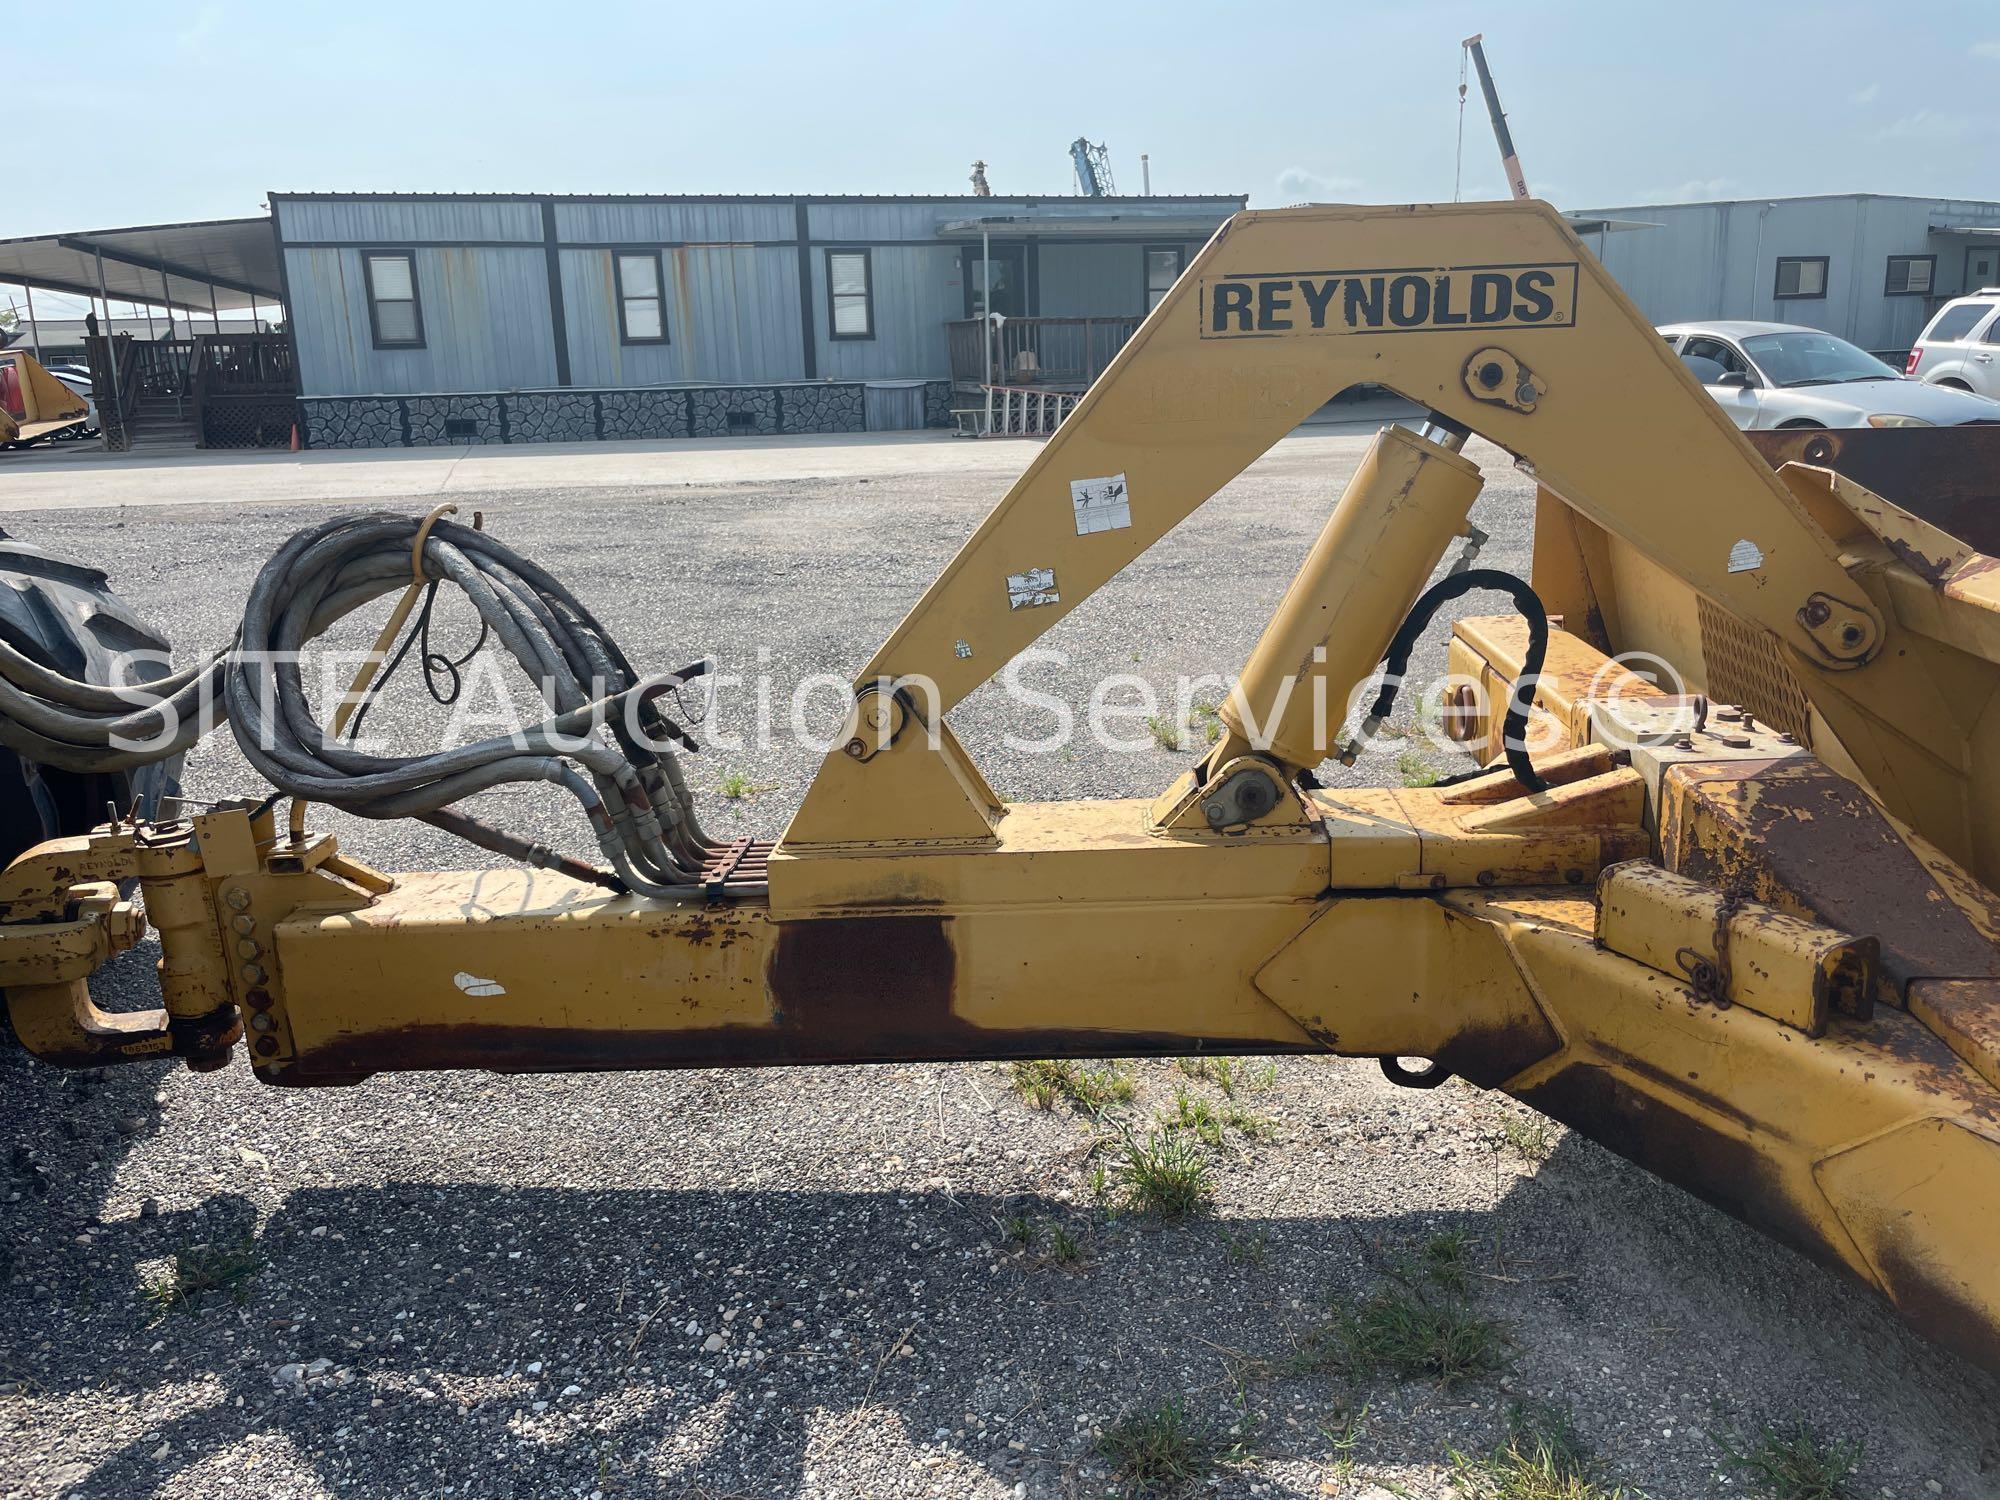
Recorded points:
1780,375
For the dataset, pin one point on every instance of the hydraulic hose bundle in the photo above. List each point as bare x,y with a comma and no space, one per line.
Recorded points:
602,739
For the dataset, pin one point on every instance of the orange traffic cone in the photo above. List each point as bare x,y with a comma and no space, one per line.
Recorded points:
295,437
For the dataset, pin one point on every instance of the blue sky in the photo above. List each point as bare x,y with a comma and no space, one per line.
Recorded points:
1611,103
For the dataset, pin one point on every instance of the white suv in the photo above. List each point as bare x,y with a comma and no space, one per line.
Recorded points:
1962,346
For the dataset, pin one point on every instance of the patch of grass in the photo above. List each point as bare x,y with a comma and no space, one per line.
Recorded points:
1240,1120
1065,1247
1532,1139
1789,1461
1400,1330
1042,1081
1206,722
1167,734
1415,770
1163,1445
1444,1260
1342,1430
196,1270
1019,1230
1197,1117
1542,1459
1164,1174
1246,1247
737,785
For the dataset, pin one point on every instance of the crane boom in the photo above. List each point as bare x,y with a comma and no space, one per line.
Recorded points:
1510,163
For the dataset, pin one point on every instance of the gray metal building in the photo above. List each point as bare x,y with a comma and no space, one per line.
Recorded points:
478,318
1867,267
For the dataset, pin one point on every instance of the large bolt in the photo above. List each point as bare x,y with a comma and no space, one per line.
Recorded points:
237,897
244,923
253,973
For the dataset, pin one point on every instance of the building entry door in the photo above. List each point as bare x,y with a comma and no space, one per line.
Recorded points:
1009,292
1982,267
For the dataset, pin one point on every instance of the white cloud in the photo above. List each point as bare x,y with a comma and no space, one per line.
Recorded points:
1930,126
199,28
1694,190
1988,50
1296,184
1866,96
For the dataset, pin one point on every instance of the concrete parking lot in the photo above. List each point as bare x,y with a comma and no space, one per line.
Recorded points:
849,1281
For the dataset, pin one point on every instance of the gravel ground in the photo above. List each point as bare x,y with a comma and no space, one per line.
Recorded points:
811,1282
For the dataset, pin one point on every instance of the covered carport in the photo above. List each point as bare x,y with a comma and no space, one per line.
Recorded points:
209,390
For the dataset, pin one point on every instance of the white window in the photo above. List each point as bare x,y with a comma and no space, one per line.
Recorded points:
850,303
641,315
1801,276
1909,275
1164,264
393,311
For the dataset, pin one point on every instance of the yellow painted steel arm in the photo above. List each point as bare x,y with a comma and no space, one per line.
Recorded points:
1285,309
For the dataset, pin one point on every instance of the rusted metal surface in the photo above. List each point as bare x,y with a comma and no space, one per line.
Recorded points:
1966,1013
1795,835
1693,1136
1950,476
739,868
845,989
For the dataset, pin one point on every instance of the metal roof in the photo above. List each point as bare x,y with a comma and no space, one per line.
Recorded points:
1965,229
164,264
1168,226
1031,199
1598,224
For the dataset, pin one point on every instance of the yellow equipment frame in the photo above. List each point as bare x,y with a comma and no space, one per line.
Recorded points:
1765,976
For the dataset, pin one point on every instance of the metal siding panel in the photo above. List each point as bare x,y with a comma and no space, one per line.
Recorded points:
643,223
390,221
893,408
486,324
740,307
590,307
916,293
732,317
862,223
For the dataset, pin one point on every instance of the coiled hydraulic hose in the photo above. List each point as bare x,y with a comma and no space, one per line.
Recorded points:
1514,727
601,740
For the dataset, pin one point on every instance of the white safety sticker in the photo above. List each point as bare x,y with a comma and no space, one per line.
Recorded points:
1745,557
1101,504
1036,586
472,984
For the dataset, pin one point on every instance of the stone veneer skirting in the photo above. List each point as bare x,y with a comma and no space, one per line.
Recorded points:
426,421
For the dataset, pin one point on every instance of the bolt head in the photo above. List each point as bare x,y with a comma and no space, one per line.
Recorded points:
237,897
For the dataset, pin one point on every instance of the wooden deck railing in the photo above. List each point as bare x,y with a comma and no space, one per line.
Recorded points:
1065,353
